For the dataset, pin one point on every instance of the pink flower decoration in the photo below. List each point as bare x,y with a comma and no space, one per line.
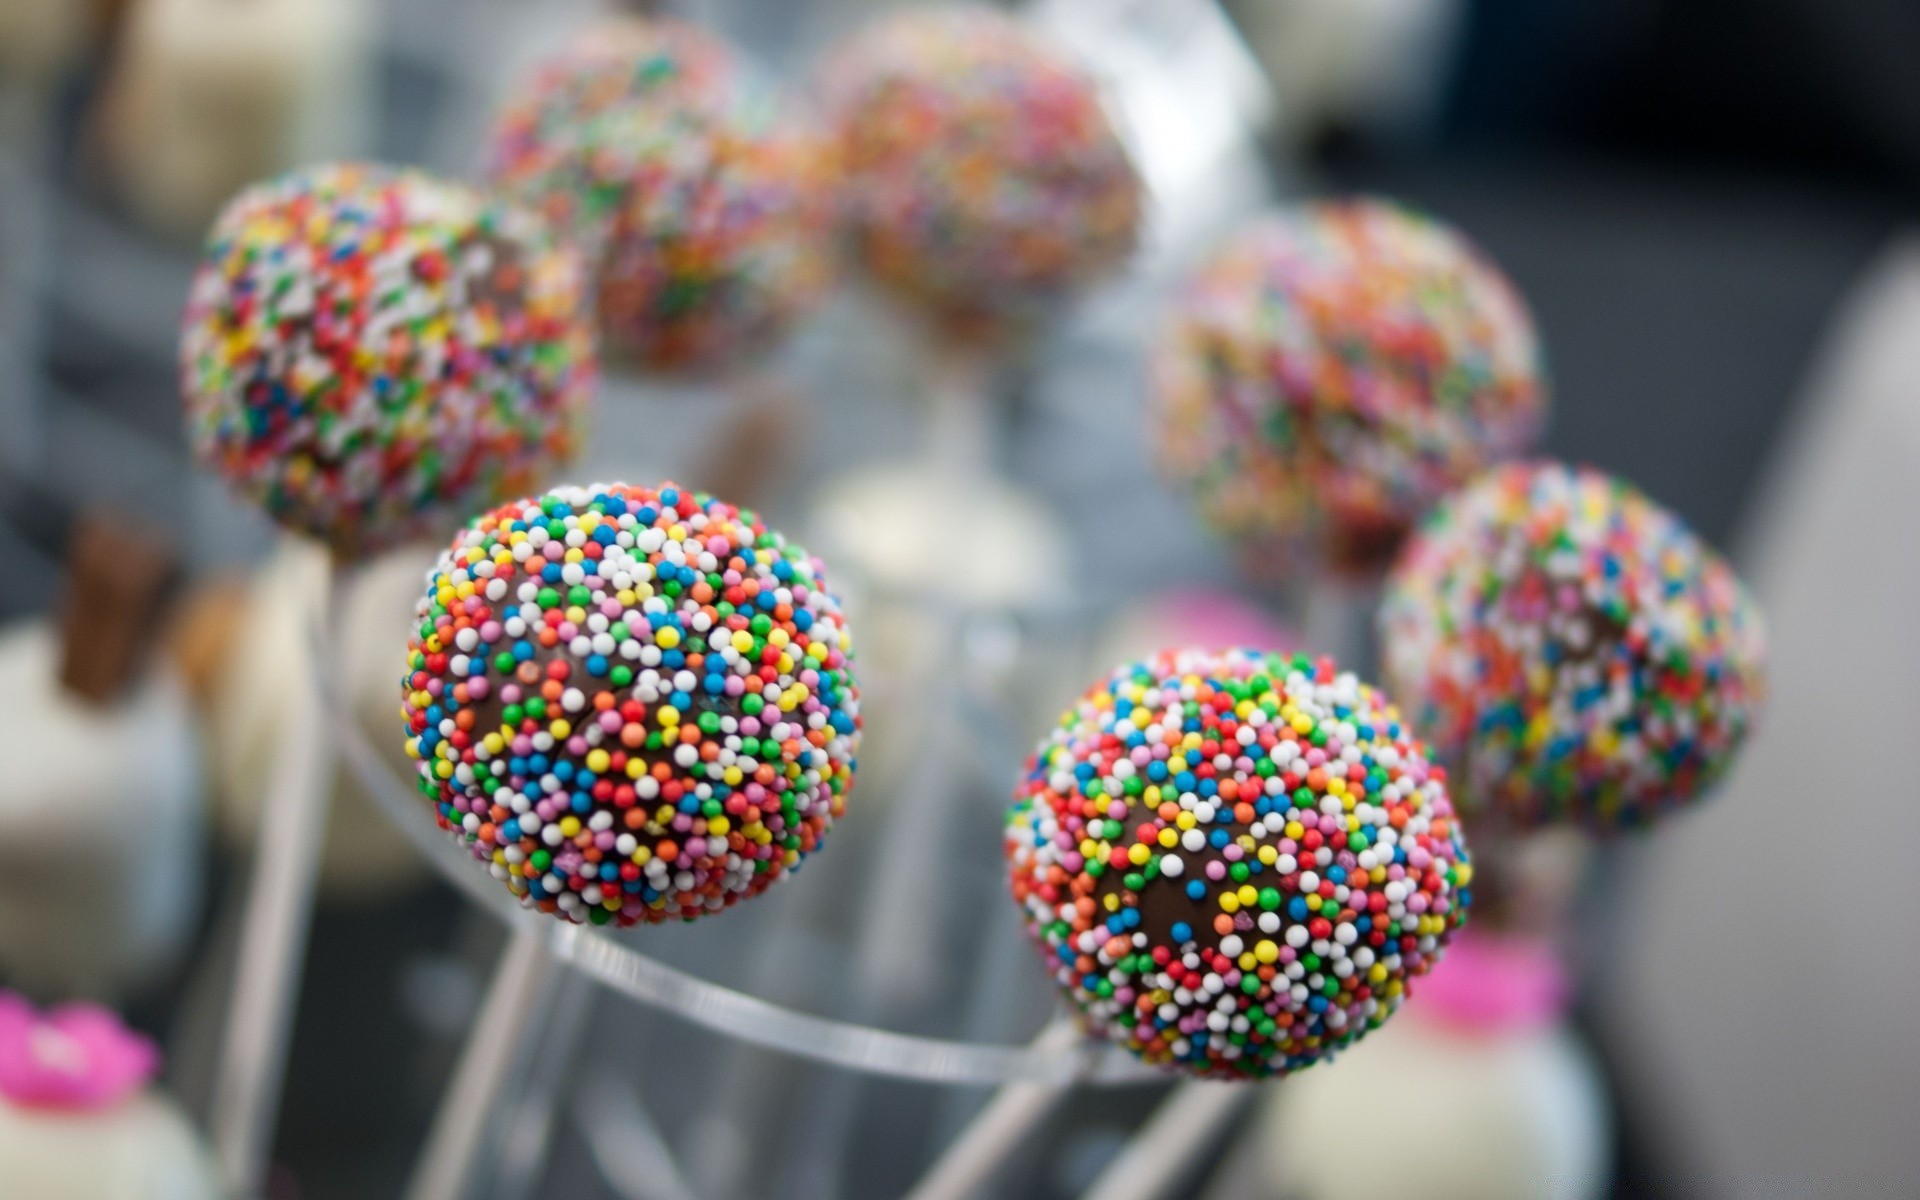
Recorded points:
79,1057
1493,983
1217,620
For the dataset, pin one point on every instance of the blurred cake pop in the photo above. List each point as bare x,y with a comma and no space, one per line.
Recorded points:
101,874
702,206
1572,649
260,663
370,352
1234,862
1525,1116
1332,371
77,1120
196,98
633,704
980,176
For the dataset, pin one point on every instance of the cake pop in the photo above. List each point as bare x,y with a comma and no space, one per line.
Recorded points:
1235,862
1332,371
980,176
368,352
77,1117
634,704
704,209
1572,649
1526,1112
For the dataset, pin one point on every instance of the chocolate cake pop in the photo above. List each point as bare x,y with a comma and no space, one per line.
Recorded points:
1235,862
1332,371
701,201
1572,649
370,352
980,176
633,704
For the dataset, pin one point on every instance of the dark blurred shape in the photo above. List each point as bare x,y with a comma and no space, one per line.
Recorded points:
1826,87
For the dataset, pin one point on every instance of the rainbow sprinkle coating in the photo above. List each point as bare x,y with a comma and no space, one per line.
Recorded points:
1333,370
981,177
707,214
1234,862
633,704
1572,649
372,353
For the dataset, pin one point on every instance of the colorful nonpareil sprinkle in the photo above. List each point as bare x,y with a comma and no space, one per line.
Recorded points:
1234,862
370,352
632,704
704,209
1333,370
1572,650
980,176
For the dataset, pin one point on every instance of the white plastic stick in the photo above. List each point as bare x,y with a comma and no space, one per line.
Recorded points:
626,1145
960,414
493,1048
273,935
1184,1127
1015,1111
1339,620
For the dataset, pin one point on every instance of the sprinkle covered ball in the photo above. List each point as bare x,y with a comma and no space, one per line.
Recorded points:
704,209
371,352
633,704
1333,370
980,176
1235,862
1571,648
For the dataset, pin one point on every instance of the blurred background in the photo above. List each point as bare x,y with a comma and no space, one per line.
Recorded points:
1707,204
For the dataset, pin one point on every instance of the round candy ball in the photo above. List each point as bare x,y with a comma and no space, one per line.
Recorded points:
1234,862
632,704
705,211
372,353
1332,371
1571,648
980,176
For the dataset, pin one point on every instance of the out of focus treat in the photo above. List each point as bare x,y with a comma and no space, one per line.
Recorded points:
632,704
1572,650
981,179
1233,862
1332,371
371,353
77,1119
1525,1108
700,199
260,658
102,795
204,96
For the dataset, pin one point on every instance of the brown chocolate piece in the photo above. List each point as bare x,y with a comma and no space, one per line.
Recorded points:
119,575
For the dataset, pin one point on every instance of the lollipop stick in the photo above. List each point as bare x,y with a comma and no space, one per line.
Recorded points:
526,1127
273,934
1183,1128
1338,619
1015,1111
492,1050
960,417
